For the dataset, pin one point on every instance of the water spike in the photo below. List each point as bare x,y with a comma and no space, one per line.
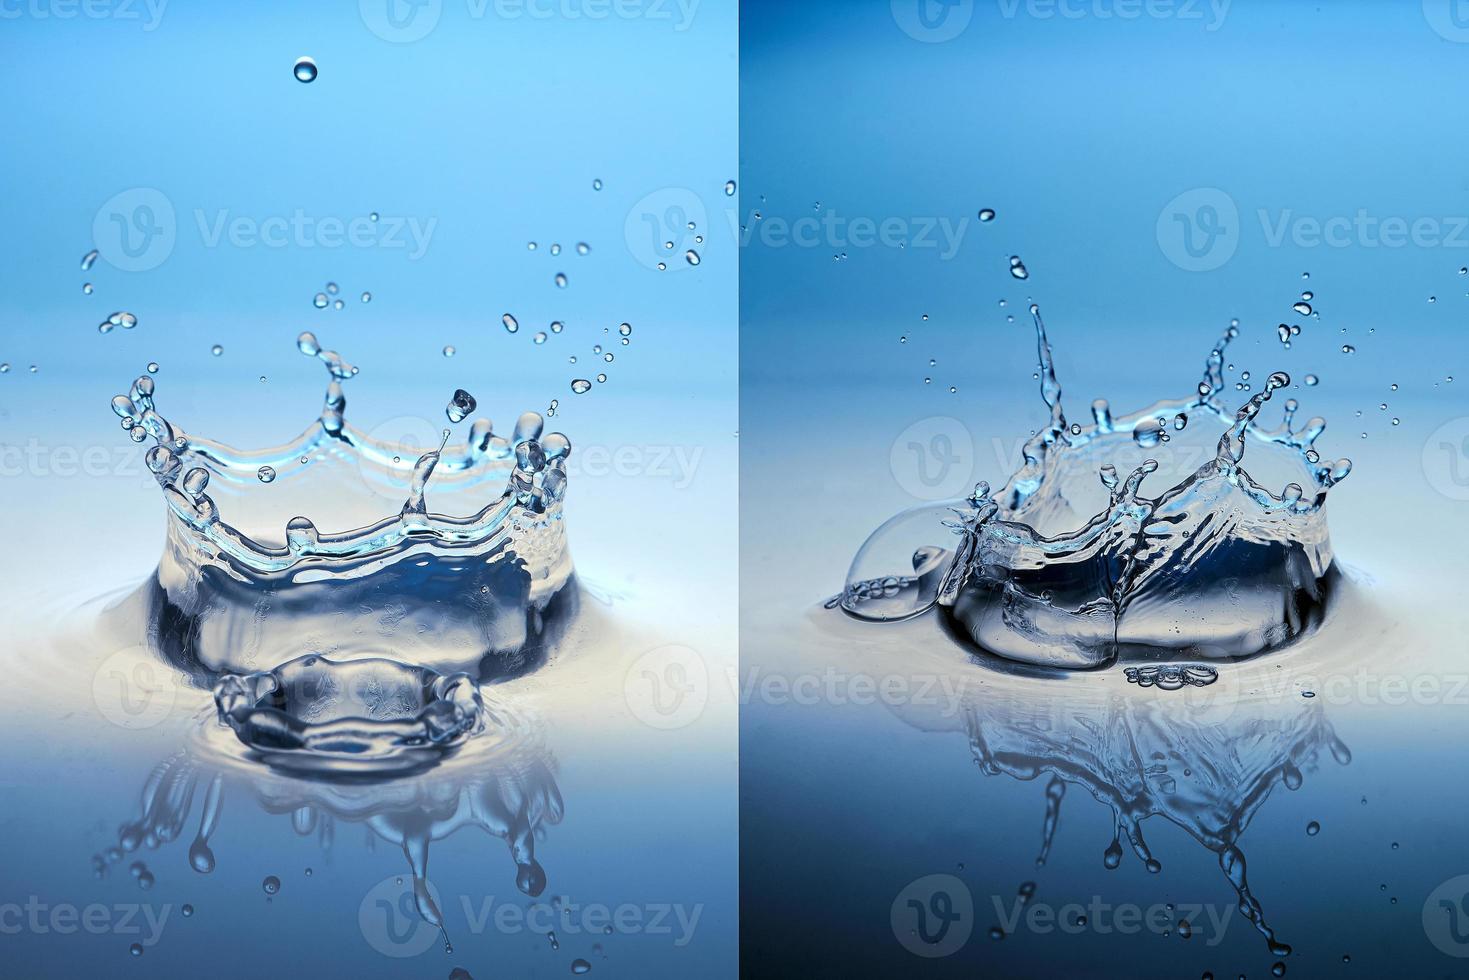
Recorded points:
423,469
1232,444
1050,387
1055,790
1102,415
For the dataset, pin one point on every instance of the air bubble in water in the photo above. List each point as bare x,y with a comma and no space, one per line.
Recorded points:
305,70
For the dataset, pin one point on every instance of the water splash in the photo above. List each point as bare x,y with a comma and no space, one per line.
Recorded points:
1068,565
376,716
471,590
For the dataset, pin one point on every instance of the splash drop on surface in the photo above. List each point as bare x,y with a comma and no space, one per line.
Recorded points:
1069,566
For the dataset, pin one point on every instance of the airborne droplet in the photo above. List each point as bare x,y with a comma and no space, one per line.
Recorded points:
305,70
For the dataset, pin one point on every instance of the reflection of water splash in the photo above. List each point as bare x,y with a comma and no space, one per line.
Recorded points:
312,715
453,592
1062,569
1145,755
509,792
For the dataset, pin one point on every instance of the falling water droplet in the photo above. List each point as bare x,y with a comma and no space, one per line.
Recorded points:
560,280
305,70
88,259
581,386
265,474
511,324
692,257
460,406
1017,268
597,184
986,214
729,188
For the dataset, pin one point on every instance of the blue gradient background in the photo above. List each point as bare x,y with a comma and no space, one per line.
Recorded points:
494,127
1079,131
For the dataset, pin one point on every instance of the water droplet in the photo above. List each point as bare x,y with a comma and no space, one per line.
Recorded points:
88,259
601,379
87,288
597,184
581,386
580,966
1348,349
460,406
582,248
136,949
271,884
1303,308
216,350
366,297
560,280
540,337
188,911
511,324
305,70
152,367
730,187
319,301
1017,268
986,214
265,474
692,257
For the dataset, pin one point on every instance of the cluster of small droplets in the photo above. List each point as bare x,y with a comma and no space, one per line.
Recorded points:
329,298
